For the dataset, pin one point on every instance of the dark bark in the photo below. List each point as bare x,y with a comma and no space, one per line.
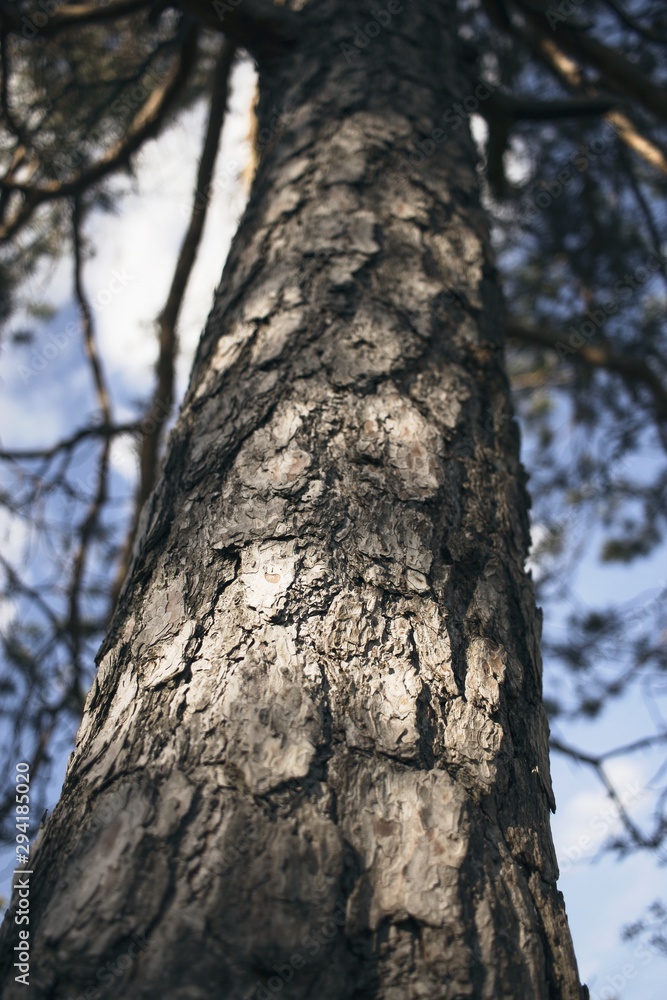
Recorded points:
316,744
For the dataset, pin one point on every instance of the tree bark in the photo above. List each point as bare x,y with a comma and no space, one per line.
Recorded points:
314,761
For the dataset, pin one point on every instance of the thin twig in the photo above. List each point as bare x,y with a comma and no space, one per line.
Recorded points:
645,208
69,443
90,522
632,370
597,765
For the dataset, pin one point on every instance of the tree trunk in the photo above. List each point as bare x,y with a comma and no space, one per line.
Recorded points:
314,761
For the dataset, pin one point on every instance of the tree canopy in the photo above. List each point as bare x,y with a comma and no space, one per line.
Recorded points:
568,102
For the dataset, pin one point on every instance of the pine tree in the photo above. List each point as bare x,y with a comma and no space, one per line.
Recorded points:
314,759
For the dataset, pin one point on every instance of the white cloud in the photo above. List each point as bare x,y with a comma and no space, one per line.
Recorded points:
586,819
123,457
142,242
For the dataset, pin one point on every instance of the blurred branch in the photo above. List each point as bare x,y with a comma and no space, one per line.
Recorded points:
632,370
637,142
68,443
501,111
145,124
4,87
642,744
34,595
90,522
597,765
568,72
260,26
74,15
53,672
645,208
522,108
497,12
161,404
616,70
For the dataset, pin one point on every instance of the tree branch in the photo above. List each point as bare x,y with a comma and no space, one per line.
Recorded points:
34,595
566,71
522,108
501,111
645,208
637,142
145,124
74,15
260,26
631,22
615,68
67,444
596,763
632,370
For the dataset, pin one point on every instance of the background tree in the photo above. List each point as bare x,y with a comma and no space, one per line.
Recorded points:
575,167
